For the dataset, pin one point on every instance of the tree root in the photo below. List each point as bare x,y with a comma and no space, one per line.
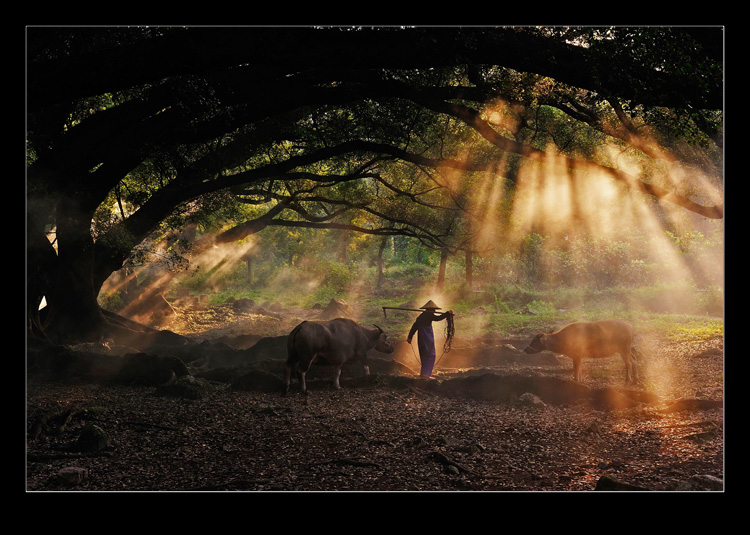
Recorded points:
64,416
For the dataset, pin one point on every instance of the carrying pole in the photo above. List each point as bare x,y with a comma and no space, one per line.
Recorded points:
385,315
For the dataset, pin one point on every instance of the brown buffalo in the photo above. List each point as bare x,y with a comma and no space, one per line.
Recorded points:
594,339
332,342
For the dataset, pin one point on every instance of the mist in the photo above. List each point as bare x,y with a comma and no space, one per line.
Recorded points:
556,236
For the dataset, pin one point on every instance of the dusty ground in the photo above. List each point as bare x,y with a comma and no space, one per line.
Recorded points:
383,439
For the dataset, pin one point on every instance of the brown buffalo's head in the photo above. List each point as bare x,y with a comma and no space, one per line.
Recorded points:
382,344
536,345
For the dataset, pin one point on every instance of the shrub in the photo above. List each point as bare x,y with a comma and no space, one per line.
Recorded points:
541,307
111,301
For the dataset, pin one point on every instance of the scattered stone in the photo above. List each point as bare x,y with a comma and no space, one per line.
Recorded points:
58,363
187,387
527,399
257,380
609,483
268,347
700,483
610,399
337,308
452,470
150,370
72,475
93,439
594,428
240,341
224,374
243,305
161,338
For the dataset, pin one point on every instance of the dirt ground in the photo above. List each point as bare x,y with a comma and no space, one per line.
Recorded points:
379,438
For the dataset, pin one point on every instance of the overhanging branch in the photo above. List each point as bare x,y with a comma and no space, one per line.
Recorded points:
473,119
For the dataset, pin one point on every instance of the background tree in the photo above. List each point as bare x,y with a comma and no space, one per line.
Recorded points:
173,119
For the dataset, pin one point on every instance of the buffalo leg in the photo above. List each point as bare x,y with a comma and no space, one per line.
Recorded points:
302,382
577,370
289,370
631,371
287,378
303,373
336,376
634,356
628,367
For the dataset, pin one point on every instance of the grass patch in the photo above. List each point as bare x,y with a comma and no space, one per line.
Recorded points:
676,311
682,327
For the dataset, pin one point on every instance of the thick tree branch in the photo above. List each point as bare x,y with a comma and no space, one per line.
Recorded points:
195,52
429,240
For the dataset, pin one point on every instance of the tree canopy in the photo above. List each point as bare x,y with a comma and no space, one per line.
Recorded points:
134,130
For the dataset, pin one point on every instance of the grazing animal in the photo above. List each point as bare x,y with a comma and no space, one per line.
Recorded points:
594,339
331,342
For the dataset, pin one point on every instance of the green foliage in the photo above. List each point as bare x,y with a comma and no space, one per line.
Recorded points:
583,274
677,309
679,327
541,307
530,256
335,280
111,300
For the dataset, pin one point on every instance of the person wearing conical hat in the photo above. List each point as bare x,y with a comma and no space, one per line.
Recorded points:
425,336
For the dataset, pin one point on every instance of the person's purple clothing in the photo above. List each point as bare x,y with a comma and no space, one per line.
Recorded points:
426,339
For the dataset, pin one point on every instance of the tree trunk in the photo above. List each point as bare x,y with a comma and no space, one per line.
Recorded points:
380,261
441,271
73,312
343,247
249,261
41,260
66,278
469,268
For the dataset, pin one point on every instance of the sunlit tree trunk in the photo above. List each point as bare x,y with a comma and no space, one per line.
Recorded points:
343,247
441,271
249,262
380,261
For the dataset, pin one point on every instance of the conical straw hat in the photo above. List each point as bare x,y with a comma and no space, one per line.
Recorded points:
430,304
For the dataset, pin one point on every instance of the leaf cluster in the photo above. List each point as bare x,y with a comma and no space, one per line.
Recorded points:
363,128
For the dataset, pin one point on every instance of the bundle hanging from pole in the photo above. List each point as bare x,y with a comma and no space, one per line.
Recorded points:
449,332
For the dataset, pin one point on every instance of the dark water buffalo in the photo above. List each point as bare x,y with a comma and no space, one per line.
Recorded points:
595,339
332,342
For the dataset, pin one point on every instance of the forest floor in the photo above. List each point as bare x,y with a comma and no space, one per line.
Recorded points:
376,438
